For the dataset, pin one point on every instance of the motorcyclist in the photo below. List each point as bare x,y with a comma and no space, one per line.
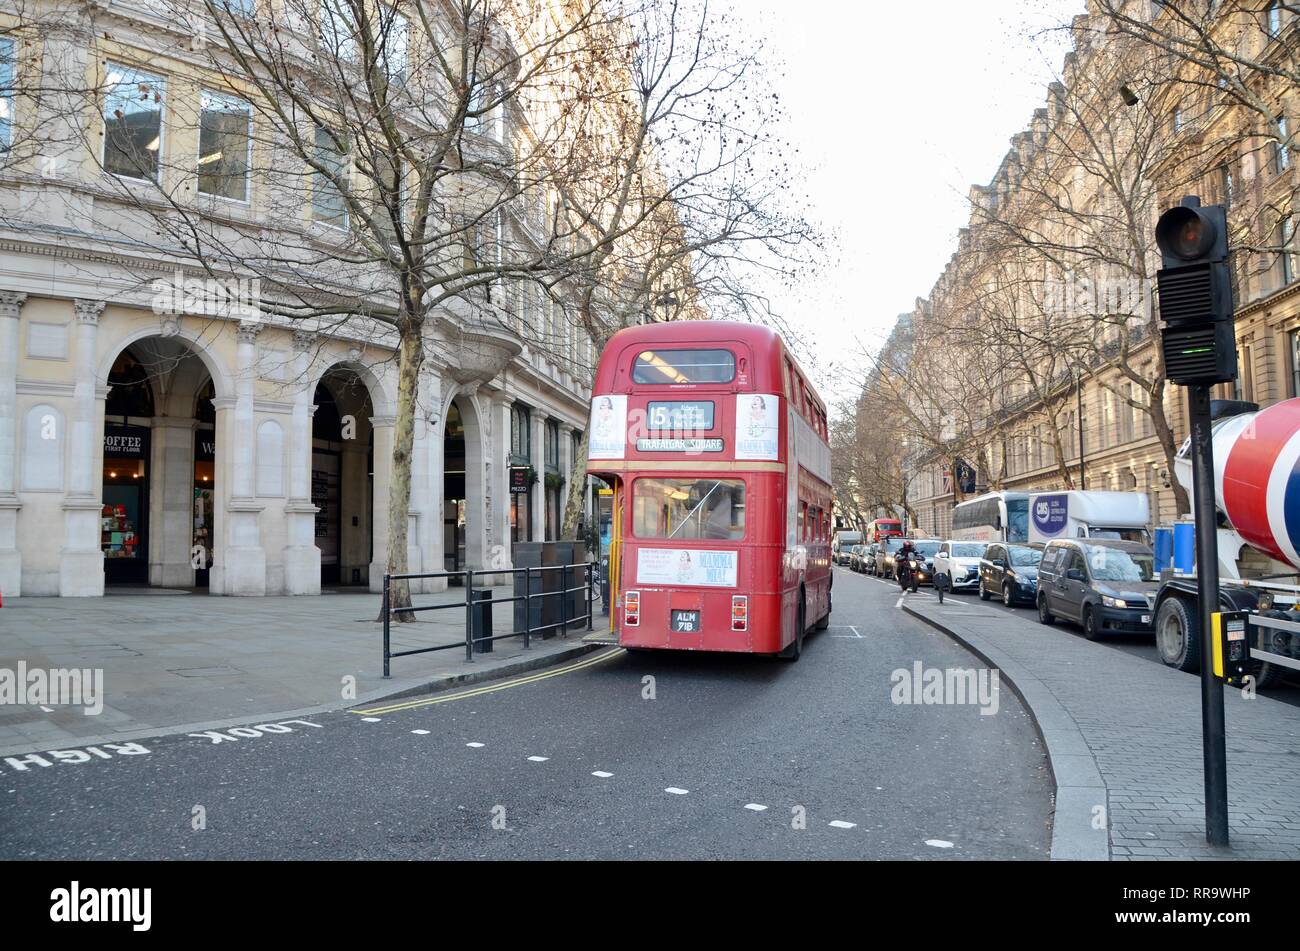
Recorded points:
905,552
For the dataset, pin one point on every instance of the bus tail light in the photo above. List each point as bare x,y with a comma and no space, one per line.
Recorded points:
632,608
739,612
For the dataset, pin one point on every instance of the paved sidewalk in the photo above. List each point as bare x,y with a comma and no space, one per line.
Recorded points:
1124,733
178,659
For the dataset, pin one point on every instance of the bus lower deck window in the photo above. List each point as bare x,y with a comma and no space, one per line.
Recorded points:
711,509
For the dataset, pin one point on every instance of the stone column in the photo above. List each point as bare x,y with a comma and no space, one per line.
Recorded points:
81,562
537,458
244,560
496,478
431,526
11,559
566,468
301,556
384,430
171,502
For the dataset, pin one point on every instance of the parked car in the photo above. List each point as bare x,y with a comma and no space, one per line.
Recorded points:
887,548
869,558
855,558
1011,573
1104,585
841,543
957,564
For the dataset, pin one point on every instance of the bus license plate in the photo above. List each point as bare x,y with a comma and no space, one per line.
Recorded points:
686,622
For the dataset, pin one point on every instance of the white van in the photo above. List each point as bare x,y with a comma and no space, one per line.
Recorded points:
1085,514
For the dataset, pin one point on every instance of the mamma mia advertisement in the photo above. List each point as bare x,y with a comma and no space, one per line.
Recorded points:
673,566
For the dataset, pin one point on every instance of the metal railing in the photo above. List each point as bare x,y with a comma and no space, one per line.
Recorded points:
476,639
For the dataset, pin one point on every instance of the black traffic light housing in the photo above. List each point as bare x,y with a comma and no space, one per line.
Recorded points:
1198,340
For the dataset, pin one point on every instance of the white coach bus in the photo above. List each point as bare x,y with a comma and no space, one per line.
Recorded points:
993,517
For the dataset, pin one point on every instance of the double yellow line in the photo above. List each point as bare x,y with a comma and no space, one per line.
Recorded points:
504,685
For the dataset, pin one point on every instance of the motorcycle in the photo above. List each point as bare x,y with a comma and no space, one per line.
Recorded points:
908,574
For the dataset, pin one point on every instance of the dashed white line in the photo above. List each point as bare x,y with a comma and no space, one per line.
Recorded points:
939,843
370,719
538,759
475,746
755,807
420,732
601,774
841,824
676,791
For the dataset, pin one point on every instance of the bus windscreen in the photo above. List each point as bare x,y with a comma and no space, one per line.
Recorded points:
689,509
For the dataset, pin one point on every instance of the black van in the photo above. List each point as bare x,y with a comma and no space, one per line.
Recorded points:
1103,584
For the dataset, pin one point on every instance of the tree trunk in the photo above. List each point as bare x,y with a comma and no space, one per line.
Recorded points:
410,357
577,489
1165,433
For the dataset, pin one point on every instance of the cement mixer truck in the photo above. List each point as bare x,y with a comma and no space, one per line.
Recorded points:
1257,494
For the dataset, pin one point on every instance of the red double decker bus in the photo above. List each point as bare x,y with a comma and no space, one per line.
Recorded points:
718,453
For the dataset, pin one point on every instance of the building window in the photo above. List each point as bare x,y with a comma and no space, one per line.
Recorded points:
338,30
1228,186
1274,14
1286,231
1294,338
395,41
133,103
552,446
224,142
1178,119
244,8
1281,152
8,70
520,433
327,204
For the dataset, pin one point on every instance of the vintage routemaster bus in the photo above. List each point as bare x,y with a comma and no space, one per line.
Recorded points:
718,452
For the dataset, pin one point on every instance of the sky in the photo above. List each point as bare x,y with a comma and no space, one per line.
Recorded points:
897,109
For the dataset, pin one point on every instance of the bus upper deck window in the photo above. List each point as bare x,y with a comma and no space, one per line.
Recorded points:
684,366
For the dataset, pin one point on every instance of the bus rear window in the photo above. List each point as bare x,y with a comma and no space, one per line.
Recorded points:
712,509
684,366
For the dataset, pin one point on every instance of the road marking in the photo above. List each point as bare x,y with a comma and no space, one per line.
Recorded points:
854,636
370,719
676,791
939,843
475,746
841,824
601,774
755,807
48,709
899,602
420,732
599,658
538,759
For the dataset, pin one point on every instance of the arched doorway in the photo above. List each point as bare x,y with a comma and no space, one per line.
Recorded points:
159,457
342,477
462,488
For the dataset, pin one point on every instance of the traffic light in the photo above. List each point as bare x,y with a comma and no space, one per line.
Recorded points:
1198,338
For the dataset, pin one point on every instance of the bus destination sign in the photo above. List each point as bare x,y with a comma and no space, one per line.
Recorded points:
679,445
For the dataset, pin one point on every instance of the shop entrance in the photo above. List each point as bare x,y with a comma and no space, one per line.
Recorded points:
453,492
342,478
159,451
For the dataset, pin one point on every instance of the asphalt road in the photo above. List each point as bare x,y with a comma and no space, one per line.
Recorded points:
619,755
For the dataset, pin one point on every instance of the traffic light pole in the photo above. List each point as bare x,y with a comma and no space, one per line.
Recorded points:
1214,746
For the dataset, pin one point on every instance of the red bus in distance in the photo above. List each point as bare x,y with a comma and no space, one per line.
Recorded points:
717,449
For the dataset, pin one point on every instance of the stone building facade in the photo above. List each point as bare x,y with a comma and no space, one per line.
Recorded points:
1229,160
181,445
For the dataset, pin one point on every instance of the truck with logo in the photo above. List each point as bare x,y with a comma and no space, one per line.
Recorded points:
1257,494
1089,514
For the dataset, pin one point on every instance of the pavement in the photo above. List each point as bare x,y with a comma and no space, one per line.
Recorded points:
617,754
1123,732
181,661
